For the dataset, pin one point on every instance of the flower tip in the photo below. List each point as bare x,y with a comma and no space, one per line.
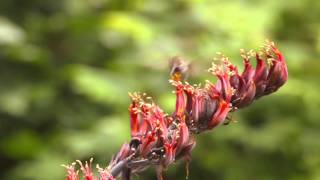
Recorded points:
79,162
269,42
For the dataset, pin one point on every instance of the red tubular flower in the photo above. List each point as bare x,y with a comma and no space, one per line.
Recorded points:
159,139
169,155
72,174
183,137
222,87
180,100
105,174
87,169
134,121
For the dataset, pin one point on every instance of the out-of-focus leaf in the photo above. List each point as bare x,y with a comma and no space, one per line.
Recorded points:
119,27
97,85
10,33
22,145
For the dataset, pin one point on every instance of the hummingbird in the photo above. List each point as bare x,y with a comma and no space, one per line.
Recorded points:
179,69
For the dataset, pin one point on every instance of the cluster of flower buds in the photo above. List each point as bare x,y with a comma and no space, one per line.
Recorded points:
159,139
206,107
268,76
73,174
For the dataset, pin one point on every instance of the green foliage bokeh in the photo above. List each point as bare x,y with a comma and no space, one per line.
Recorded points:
66,67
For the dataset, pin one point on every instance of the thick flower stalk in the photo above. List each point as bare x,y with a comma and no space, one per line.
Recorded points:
159,139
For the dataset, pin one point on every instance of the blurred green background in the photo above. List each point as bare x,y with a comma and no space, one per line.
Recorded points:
66,67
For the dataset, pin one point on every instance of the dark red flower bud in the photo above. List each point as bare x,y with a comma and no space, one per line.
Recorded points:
248,71
220,115
278,73
260,76
235,81
247,95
